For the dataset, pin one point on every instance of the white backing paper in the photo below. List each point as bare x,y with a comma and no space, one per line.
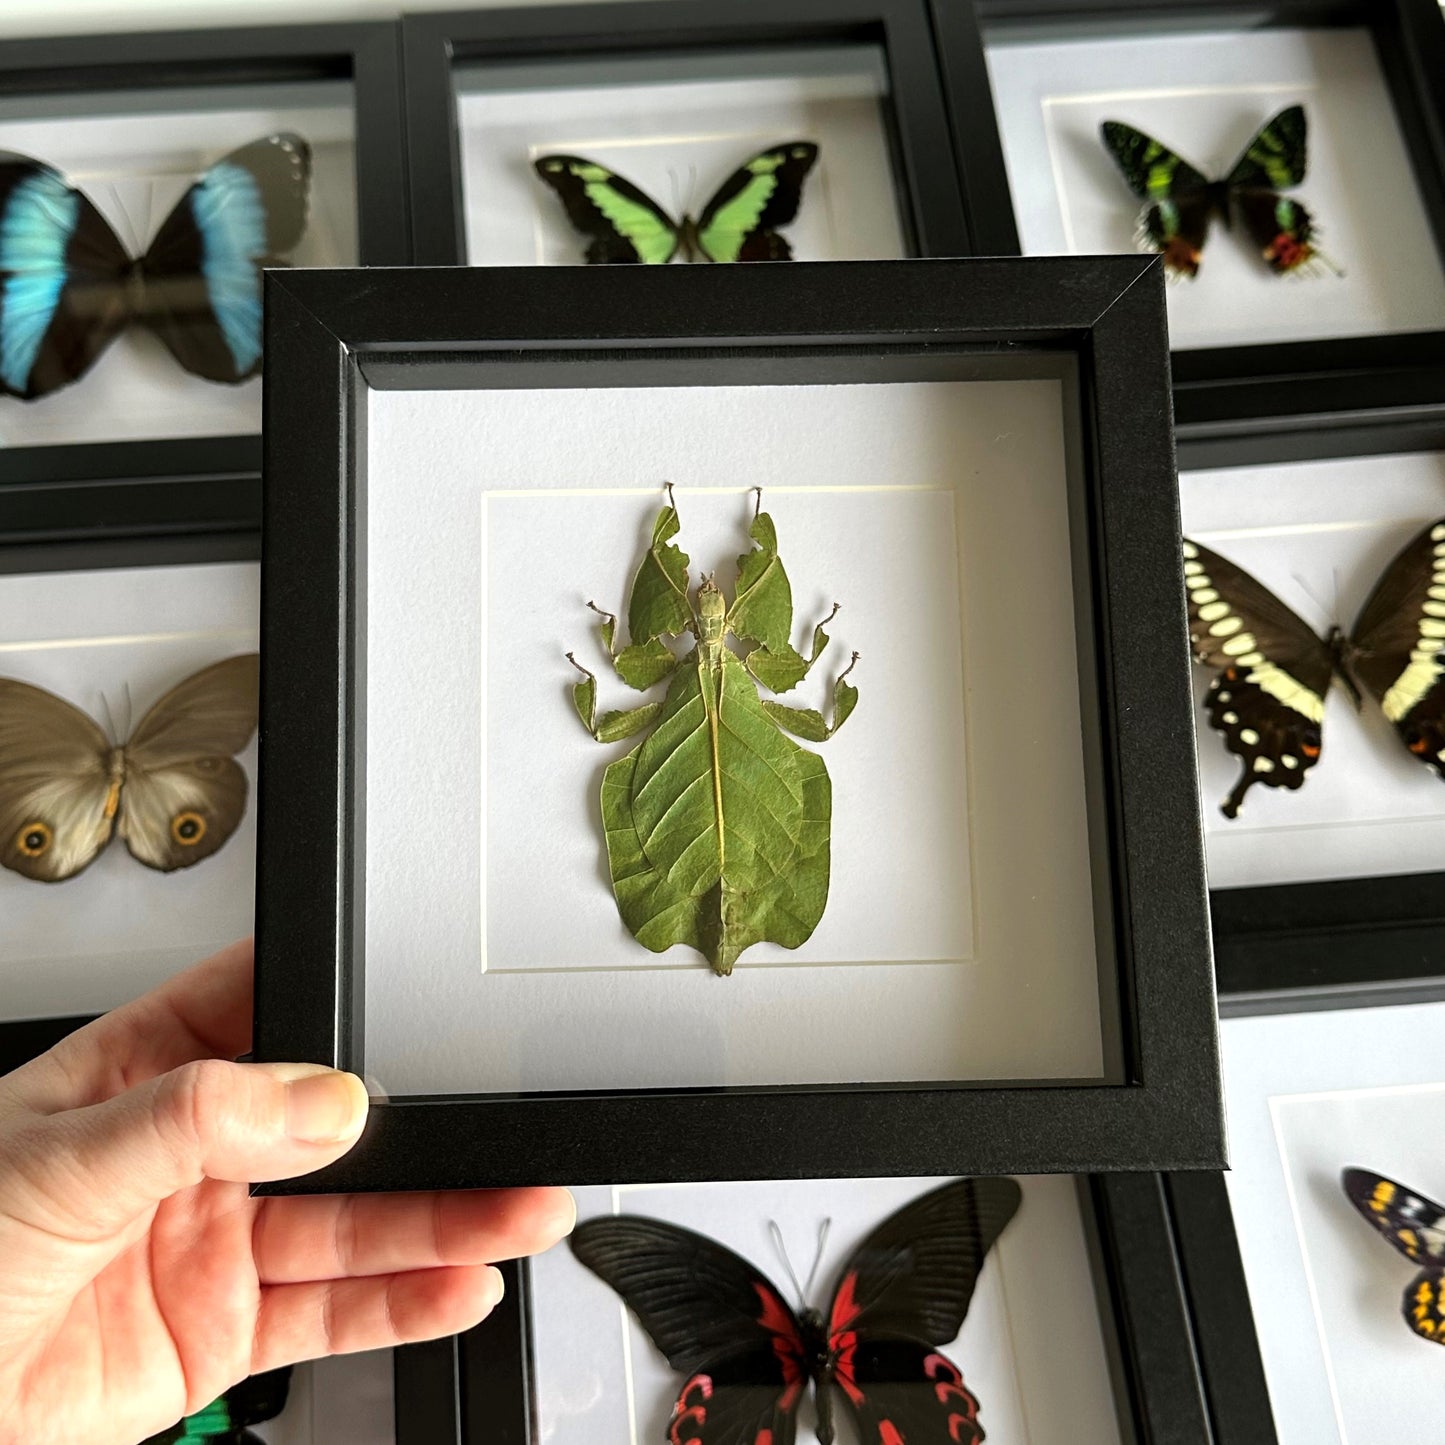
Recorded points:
678,136
134,165
600,1378
1319,535
94,639
934,512
340,1400
1205,96
1309,1095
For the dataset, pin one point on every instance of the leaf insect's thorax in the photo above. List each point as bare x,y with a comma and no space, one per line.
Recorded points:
710,616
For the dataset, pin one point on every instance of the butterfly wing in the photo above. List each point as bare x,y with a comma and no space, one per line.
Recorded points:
719,1322
740,222
905,1292
624,224
1272,162
1175,222
184,792
1274,671
1398,647
62,270
1413,1224
203,270
57,804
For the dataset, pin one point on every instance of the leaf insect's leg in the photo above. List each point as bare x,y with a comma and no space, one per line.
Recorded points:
808,723
612,726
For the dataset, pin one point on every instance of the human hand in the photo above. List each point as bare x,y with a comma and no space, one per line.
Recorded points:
139,1279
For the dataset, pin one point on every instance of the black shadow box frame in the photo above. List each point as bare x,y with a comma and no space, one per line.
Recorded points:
1170,1289
1269,384
336,336
206,477
1345,942
931,208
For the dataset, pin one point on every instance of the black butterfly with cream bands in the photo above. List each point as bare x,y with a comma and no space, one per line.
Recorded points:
1274,670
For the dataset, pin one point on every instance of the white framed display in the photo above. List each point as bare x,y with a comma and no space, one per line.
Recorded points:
134,154
598,1376
111,643
1319,534
494,516
677,128
1309,1095
1205,95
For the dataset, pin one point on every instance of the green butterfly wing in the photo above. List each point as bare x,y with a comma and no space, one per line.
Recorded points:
1276,157
739,223
1152,170
624,224
1176,221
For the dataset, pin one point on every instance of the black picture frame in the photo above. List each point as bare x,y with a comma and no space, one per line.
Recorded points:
211,475
931,208
1164,1313
1267,384
24,1039
1339,943
335,335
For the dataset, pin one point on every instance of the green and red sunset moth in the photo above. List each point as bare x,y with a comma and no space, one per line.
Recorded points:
1182,200
747,1358
625,225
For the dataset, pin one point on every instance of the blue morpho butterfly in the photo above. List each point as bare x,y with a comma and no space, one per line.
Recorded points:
68,286
224,1421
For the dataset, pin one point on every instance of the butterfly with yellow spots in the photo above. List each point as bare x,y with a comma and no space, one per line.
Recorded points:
1416,1227
1274,670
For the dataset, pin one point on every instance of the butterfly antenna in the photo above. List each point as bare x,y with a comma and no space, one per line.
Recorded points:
782,1249
823,1229
129,712
109,719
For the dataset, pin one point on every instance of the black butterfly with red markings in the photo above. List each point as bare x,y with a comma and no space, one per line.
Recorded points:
1269,697
1416,1227
747,1358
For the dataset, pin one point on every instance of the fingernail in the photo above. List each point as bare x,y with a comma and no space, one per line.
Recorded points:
496,1287
323,1106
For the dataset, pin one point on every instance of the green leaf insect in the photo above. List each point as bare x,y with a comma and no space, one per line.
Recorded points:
717,822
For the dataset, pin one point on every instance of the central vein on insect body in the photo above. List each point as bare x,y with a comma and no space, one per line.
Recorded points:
711,625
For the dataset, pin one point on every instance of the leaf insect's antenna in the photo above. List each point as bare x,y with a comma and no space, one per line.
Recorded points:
852,663
757,502
671,500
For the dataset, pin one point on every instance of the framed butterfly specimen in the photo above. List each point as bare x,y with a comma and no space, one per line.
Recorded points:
1415,1226
1181,201
68,286
739,222
173,790
747,1357
1274,670
224,1421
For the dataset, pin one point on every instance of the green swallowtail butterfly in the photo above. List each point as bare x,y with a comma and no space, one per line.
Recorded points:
1181,200
739,223
224,1421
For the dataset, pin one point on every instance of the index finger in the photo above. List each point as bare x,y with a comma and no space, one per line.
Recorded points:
203,1013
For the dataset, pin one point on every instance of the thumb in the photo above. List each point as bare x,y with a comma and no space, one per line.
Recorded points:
210,1119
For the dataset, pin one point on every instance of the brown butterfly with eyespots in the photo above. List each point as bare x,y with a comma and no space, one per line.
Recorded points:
1269,697
173,791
